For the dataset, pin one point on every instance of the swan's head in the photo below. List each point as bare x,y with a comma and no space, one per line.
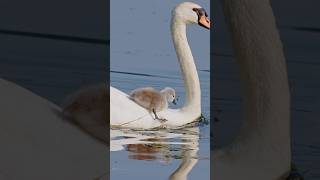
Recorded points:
191,13
170,94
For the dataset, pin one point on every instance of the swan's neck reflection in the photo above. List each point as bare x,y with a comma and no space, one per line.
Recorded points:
160,145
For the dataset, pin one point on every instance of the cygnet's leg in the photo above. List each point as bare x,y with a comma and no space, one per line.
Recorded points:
156,116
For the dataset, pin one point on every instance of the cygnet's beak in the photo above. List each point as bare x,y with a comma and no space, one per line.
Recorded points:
174,102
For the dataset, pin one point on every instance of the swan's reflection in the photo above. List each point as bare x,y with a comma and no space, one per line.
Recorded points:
161,145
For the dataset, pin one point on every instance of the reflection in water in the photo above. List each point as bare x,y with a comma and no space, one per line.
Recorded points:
163,146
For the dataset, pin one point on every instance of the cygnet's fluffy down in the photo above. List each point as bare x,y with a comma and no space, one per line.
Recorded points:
153,100
88,107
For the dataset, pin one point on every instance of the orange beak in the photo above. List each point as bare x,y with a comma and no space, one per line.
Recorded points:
204,22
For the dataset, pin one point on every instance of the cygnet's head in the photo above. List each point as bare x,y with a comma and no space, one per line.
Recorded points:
191,13
170,94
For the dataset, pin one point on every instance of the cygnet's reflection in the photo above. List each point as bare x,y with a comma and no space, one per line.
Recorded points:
163,146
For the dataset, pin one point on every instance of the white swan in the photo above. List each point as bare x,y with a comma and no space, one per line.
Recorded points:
262,148
39,143
126,113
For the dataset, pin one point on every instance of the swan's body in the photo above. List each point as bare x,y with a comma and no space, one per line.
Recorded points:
262,148
153,100
136,116
38,142
139,118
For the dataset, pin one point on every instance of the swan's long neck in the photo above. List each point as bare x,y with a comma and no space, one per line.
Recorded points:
263,73
188,68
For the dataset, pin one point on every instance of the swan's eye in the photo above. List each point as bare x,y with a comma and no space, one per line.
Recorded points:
200,12
196,10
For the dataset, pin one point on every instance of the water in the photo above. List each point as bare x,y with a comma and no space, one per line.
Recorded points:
47,67
142,55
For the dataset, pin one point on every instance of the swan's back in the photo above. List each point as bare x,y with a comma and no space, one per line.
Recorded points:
123,110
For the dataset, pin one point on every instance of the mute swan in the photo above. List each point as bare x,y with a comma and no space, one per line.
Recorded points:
153,100
136,116
261,151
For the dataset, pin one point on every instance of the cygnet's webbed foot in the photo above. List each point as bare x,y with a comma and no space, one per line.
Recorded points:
157,117
161,120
